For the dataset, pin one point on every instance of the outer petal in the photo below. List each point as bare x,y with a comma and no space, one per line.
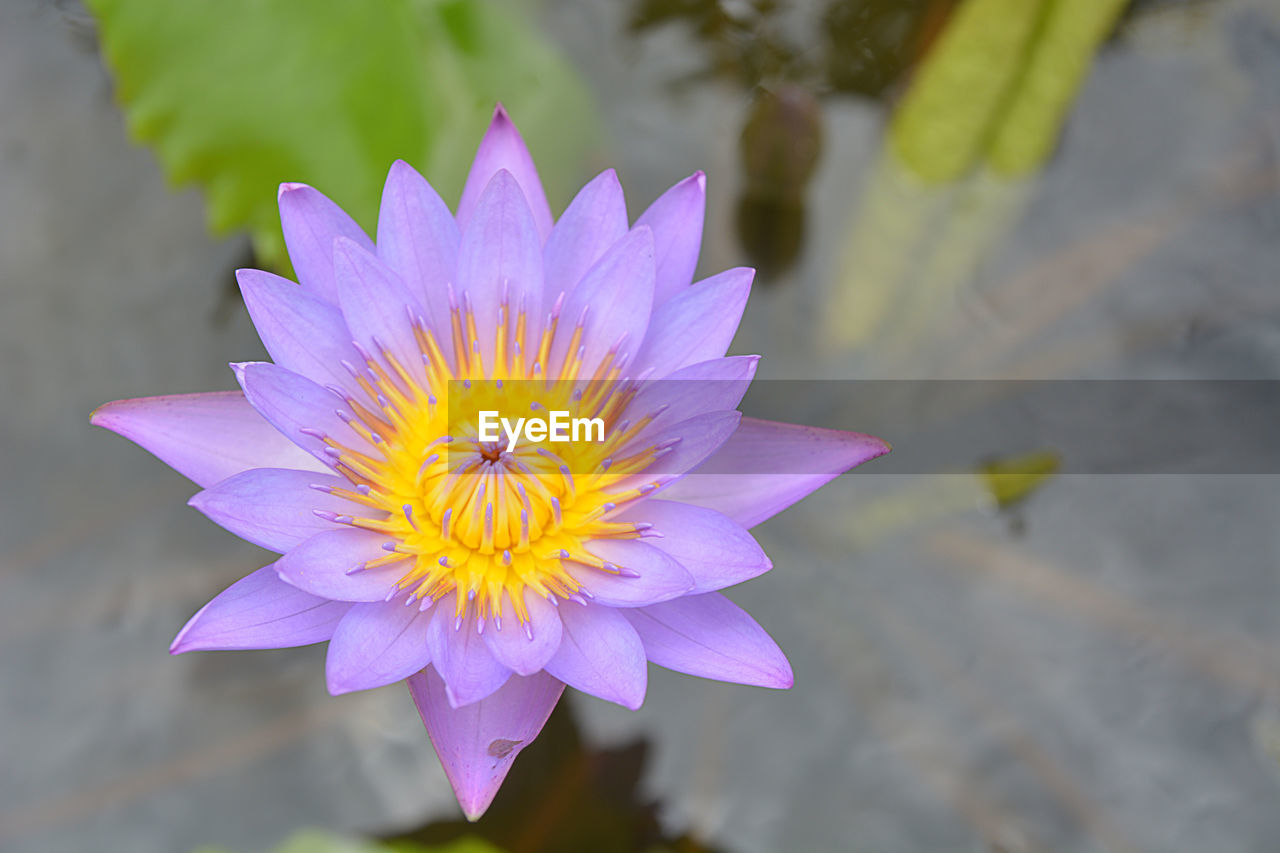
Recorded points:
767,466
504,148
717,385
204,437
303,333
377,306
600,653
274,507
311,223
418,239
710,636
325,565
611,305
525,649
260,612
297,407
714,549
676,220
697,324
461,656
376,644
648,575
593,221
477,743
501,255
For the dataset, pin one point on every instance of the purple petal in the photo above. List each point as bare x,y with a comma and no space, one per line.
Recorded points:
611,303
311,223
477,743
461,656
418,240
715,549
326,565
293,403
799,459
503,149
661,577
600,653
593,221
378,307
676,220
260,612
526,651
711,637
204,437
710,386
301,332
273,507
377,644
501,255
693,441
697,324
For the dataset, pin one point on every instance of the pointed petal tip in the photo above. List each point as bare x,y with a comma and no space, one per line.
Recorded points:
288,187
700,178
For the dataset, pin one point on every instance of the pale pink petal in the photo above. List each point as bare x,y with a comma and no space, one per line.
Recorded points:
260,612
478,742
205,437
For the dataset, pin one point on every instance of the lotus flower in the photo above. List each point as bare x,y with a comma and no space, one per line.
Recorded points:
489,576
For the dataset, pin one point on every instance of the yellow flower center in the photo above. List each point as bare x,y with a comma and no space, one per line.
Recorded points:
476,517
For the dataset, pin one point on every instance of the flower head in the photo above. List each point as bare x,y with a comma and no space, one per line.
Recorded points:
490,571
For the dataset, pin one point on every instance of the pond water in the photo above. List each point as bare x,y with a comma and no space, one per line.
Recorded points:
1091,663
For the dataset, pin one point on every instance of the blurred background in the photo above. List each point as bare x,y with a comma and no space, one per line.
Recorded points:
1009,657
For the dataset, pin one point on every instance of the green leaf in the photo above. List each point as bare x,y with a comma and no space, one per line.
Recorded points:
241,95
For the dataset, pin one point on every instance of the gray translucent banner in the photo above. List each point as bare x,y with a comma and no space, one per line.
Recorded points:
934,426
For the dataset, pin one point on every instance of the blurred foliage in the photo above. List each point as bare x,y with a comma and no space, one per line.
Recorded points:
1012,479
564,795
998,85
241,95
768,48
320,841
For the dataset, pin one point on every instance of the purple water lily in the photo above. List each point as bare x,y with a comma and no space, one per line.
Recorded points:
490,575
